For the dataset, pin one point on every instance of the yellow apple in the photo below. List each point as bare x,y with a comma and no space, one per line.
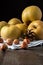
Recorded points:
22,27
2,23
10,31
14,21
37,28
31,13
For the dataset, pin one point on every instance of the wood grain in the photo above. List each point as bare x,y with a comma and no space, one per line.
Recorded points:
31,56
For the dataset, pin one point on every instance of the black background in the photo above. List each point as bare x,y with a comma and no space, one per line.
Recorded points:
14,8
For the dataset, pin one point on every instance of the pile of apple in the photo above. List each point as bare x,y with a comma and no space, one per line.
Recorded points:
31,18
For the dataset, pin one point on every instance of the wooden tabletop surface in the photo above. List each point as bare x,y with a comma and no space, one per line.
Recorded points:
31,56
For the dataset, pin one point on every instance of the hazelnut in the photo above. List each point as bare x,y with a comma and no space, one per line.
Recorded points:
9,41
1,40
4,47
16,41
24,45
26,40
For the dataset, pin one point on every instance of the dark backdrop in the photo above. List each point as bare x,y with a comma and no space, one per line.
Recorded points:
14,8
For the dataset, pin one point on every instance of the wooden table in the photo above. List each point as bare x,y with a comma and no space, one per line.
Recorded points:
31,56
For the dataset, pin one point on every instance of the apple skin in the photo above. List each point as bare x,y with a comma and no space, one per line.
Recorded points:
10,31
22,27
2,23
31,13
37,28
14,21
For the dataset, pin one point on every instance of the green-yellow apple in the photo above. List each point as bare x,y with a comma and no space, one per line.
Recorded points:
22,27
31,13
14,21
10,31
37,28
2,23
